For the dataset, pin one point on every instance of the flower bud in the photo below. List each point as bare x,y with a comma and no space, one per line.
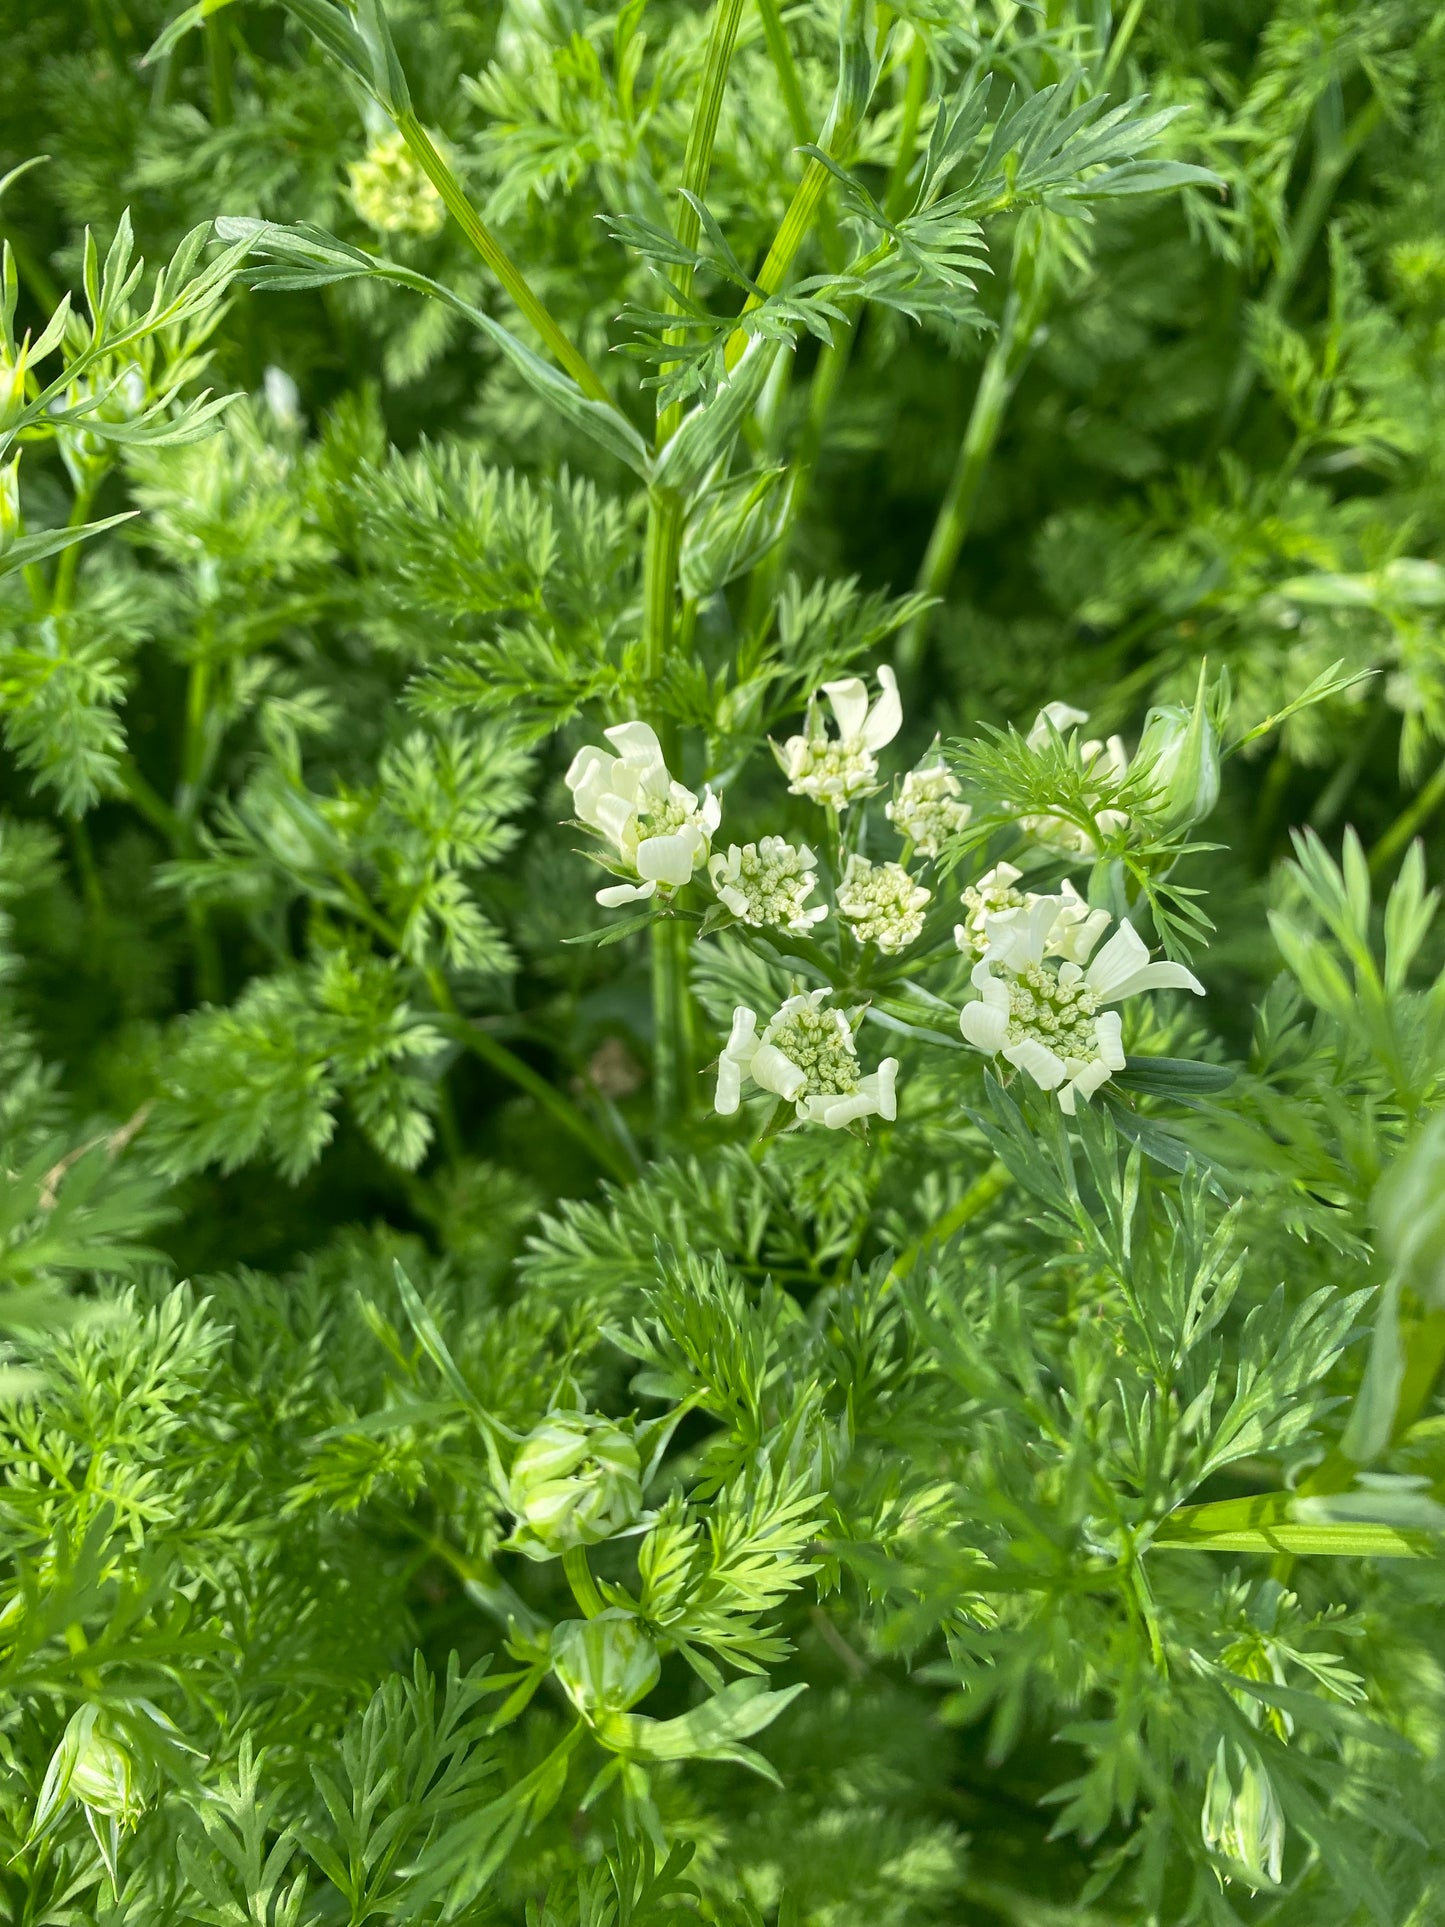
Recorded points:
607,1664
9,503
12,388
1241,1818
1179,755
103,1778
1410,1212
575,1481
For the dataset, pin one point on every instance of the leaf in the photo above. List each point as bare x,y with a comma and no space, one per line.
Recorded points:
185,21
708,1732
45,542
1173,1076
1269,1524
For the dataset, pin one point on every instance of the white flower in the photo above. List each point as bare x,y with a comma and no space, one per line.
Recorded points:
835,771
882,903
1049,1020
993,900
769,883
1104,760
806,1056
927,810
657,827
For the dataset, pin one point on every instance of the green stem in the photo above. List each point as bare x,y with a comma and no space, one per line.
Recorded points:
977,1198
151,804
69,562
85,867
579,1578
913,99
996,385
218,69
781,54
671,1007
495,256
1120,44
1413,817
802,210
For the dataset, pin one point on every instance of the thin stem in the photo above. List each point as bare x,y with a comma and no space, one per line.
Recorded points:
776,36
579,1578
1120,44
977,1198
497,259
913,100
69,562
996,385
83,852
1416,813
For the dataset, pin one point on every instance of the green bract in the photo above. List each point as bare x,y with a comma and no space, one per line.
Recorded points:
607,1664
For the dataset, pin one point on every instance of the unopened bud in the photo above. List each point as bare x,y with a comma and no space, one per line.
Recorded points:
1241,1818
9,503
605,1665
12,389
93,1767
575,1481
1179,756
1410,1212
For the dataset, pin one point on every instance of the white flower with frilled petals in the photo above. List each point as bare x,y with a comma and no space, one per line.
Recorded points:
1105,760
658,828
928,809
994,900
768,884
833,770
881,903
1048,1018
806,1056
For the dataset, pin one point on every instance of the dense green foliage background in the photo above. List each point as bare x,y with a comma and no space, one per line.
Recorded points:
288,997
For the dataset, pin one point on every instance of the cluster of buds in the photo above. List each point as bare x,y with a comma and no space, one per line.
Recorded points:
391,191
576,1480
808,1056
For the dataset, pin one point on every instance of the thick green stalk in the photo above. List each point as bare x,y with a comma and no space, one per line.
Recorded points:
776,36
671,1008
802,210
995,388
978,1197
218,69
496,257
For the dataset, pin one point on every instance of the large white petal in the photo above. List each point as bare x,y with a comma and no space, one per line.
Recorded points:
1045,1067
614,817
885,718
670,859
1109,1032
884,1082
636,743
777,1073
985,1024
849,698
1063,717
1121,959
617,893
587,778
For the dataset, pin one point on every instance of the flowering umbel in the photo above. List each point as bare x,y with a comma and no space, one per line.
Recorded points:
881,903
658,829
807,1056
391,193
996,902
768,884
928,808
835,770
575,1481
1049,1018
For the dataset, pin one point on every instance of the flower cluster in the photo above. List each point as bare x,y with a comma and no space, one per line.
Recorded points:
995,902
808,1057
1046,1016
881,903
928,808
658,829
836,770
391,193
768,884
